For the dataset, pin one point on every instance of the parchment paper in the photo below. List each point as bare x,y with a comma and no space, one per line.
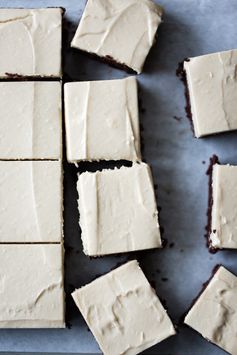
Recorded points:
179,162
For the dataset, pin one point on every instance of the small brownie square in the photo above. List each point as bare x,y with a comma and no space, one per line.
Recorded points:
214,313
30,42
212,91
31,283
30,120
102,120
118,211
120,32
31,202
123,312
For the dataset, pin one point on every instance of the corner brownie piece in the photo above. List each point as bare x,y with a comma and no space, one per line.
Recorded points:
30,42
101,119
223,229
120,32
214,313
118,211
212,91
123,312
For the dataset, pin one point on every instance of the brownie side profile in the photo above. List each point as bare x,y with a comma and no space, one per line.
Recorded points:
213,160
181,74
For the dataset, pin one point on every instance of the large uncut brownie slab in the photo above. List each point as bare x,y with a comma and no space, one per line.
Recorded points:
31,286
31,201
118,211
214,313
102,120
30,120
123,311
223,232
119,32
212,90
30,42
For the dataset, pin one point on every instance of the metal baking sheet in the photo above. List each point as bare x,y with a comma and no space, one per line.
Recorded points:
179,162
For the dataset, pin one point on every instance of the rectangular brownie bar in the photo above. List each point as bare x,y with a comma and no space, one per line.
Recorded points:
212,92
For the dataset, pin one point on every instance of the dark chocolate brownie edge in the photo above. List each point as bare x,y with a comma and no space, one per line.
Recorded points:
17,77
213,160
181,73
108,60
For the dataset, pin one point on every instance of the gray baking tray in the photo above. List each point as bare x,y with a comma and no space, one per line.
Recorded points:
179,162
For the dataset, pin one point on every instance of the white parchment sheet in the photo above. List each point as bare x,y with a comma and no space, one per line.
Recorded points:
179,162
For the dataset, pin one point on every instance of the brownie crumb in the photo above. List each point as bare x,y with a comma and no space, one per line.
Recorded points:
164,279
177,118
171,245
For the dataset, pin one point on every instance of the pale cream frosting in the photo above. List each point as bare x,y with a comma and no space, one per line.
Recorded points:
30,120
31,286
214,314
30,42
224,209
31,201
102,120
118,210
122,30
212,85
123,312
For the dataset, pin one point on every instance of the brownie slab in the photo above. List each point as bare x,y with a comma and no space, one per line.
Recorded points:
118,211
223,233
30,42
30,120
31,201
102,121
212,90
123,312
31,286
121,32
214,314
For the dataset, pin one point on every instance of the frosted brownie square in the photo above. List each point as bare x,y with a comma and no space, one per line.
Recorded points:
30,120
31,285
123,312
30,42
223,231
119,32
118,211
31,201
214,313
212,91
102,121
